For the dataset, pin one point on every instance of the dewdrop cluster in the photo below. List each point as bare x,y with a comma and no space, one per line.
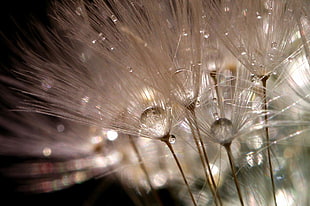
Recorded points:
206,99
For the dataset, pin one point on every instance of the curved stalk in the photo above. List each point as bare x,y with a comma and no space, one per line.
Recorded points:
264,82
166,141
142,165
206,163
233,170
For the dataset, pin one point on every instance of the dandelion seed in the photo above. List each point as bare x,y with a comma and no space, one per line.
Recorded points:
157,72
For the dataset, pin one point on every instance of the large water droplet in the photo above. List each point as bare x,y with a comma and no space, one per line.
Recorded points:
222,130
154,121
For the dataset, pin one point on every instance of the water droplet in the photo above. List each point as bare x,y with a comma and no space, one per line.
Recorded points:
79,11
197,103
258,16
94,41
47,151
112,135
85,99
60,128
226,33
112,48
185,33
154,121
290,59
114,19
216,116
172,139
254,159
222,130
242,50
47,84
274,45
206,36
130,69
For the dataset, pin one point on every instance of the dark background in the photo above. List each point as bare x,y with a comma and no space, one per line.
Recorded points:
16,19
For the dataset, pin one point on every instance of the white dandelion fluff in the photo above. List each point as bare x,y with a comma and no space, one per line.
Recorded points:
189,74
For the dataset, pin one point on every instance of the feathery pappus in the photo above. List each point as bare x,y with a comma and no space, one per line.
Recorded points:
181,102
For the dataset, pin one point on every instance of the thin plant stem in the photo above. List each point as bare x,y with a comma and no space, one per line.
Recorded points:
203,154
166,141
233,170
142,165
264,82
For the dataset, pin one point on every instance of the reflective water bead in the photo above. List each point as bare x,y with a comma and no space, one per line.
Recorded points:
274,45
114,19
154,121
222,130
172,139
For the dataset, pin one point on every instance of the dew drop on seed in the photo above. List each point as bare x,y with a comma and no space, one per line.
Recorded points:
274,45
85,99
258,16
130,69
47,84
78,11
197,103
216,115
154,121
172,139
290,59
114,19
222,130
206,36
242,51
60,128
